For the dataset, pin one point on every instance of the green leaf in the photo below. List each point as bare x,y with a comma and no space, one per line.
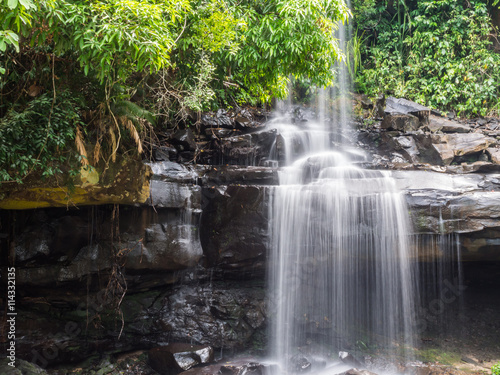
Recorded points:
12,4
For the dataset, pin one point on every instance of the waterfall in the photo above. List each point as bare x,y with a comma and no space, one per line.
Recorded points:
340,273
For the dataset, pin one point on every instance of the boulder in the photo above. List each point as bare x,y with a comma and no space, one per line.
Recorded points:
299,364
178,357
400,122
408,147
164,153
349,359
448,126
445,152
468,143
220,119
407,107
184,140
494,154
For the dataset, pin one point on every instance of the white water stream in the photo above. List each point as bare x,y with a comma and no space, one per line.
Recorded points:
340,273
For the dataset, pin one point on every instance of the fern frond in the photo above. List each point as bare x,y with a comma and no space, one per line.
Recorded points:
132,111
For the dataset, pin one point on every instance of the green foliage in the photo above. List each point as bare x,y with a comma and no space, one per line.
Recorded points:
285,38
437,53
113,39
130,58
33,139
495,369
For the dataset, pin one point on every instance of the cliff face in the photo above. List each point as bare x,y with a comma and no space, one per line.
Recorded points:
183,257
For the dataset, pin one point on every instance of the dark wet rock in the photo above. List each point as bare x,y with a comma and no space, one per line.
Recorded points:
178,357
184,140
174,195
380,104
246,149
225,175
220,132
164,153
365,101
349,359
482,122
404,106
244,121
246,369
234,367
220,315
233,228
20,367
400,122
220,119
79,244
407,146
300,364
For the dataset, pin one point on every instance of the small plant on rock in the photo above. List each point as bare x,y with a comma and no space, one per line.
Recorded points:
495,369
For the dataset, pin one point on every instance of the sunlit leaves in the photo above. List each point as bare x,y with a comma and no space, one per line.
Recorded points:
286,38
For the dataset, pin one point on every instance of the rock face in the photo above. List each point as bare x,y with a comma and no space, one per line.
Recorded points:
183,259
148,265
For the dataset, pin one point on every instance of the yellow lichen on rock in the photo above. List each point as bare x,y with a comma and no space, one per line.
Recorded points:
89,189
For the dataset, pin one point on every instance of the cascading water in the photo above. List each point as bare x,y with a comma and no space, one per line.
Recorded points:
340,264
340,274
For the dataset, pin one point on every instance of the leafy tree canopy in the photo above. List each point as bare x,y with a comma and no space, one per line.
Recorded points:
127,65
437,52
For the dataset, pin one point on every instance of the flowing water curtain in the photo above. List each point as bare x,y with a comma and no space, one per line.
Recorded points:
342,273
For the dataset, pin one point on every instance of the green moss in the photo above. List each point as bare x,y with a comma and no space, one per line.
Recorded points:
438,355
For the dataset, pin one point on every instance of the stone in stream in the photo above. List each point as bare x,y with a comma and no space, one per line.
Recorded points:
349,359
300,364
234,368
178,357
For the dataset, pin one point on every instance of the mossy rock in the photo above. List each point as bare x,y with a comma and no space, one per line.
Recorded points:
127,181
